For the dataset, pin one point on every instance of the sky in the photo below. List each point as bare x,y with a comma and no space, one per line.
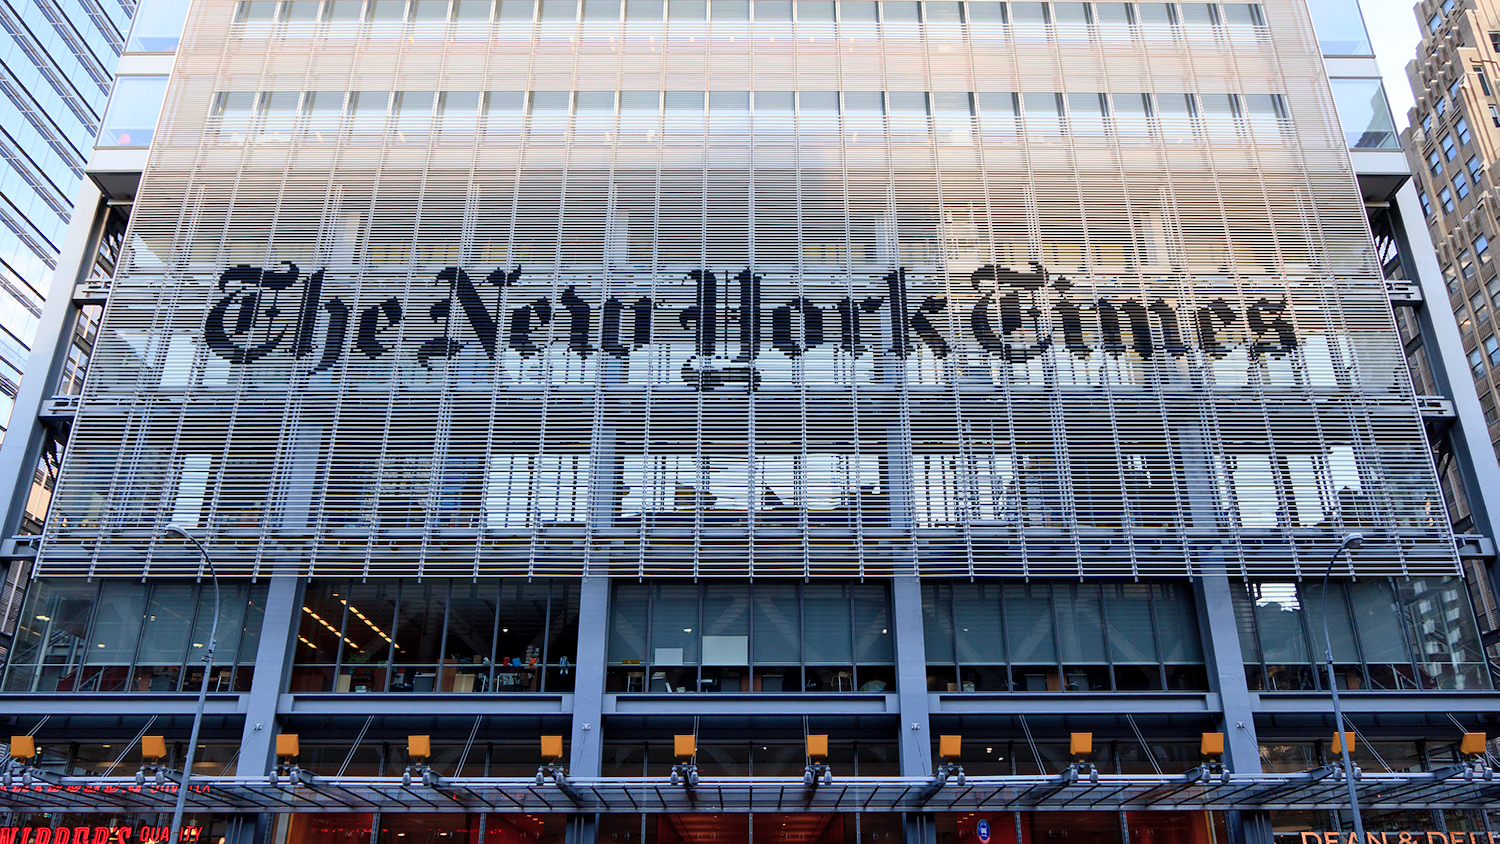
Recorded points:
1394,35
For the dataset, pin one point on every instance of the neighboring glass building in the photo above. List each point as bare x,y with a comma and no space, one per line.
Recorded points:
749,370
56,66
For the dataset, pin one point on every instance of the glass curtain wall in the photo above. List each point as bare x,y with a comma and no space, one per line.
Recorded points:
767,636
1044,636
128,636
1386,634
437,635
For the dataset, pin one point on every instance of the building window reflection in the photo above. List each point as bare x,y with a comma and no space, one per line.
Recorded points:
1041,636
157,26
437,636
1365,114
127,636
130,118
1386,634
769,636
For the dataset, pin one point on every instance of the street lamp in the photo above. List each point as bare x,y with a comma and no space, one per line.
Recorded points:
1350,542
208,664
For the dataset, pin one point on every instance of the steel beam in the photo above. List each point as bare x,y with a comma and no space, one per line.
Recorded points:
428,704
273,668
713,703
586,751
911,678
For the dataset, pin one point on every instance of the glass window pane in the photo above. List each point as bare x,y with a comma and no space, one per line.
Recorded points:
52,630
873,641
1079,626
627,627
640,101
387,11
1441,621
1028,13
1177,622
1028,623
1340,28
130,119
826,632
1130,634
562,636
1074,13
819,102
1278,615
254,620
726,624
419,622
522,611
1377,618
117,623
157,26
773,11
815,11
943,11
729,102
1113,14
730,11
1340,629
900,11
674,624
777,624
908,102
684,101
773,102
937,622
232,606
468,11
471,622
866,103
976,614
367,632
1364,114
985,12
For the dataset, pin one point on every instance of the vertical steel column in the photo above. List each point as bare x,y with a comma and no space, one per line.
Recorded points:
26,435
586,753
1450,372
920,828
911,677
582,829
1226,665
273,666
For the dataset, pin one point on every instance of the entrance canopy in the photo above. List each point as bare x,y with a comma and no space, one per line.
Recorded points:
1450,788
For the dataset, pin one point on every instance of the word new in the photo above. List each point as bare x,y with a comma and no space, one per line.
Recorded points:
1016,316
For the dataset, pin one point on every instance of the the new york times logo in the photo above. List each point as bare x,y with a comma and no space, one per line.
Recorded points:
1016,316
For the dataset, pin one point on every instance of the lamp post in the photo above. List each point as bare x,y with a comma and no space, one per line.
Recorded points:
1349,543
208,664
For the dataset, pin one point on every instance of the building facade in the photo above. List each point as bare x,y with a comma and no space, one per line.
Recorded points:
1451,143
57,67
747,371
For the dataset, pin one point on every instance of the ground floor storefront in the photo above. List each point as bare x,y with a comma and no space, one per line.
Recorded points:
1418,826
